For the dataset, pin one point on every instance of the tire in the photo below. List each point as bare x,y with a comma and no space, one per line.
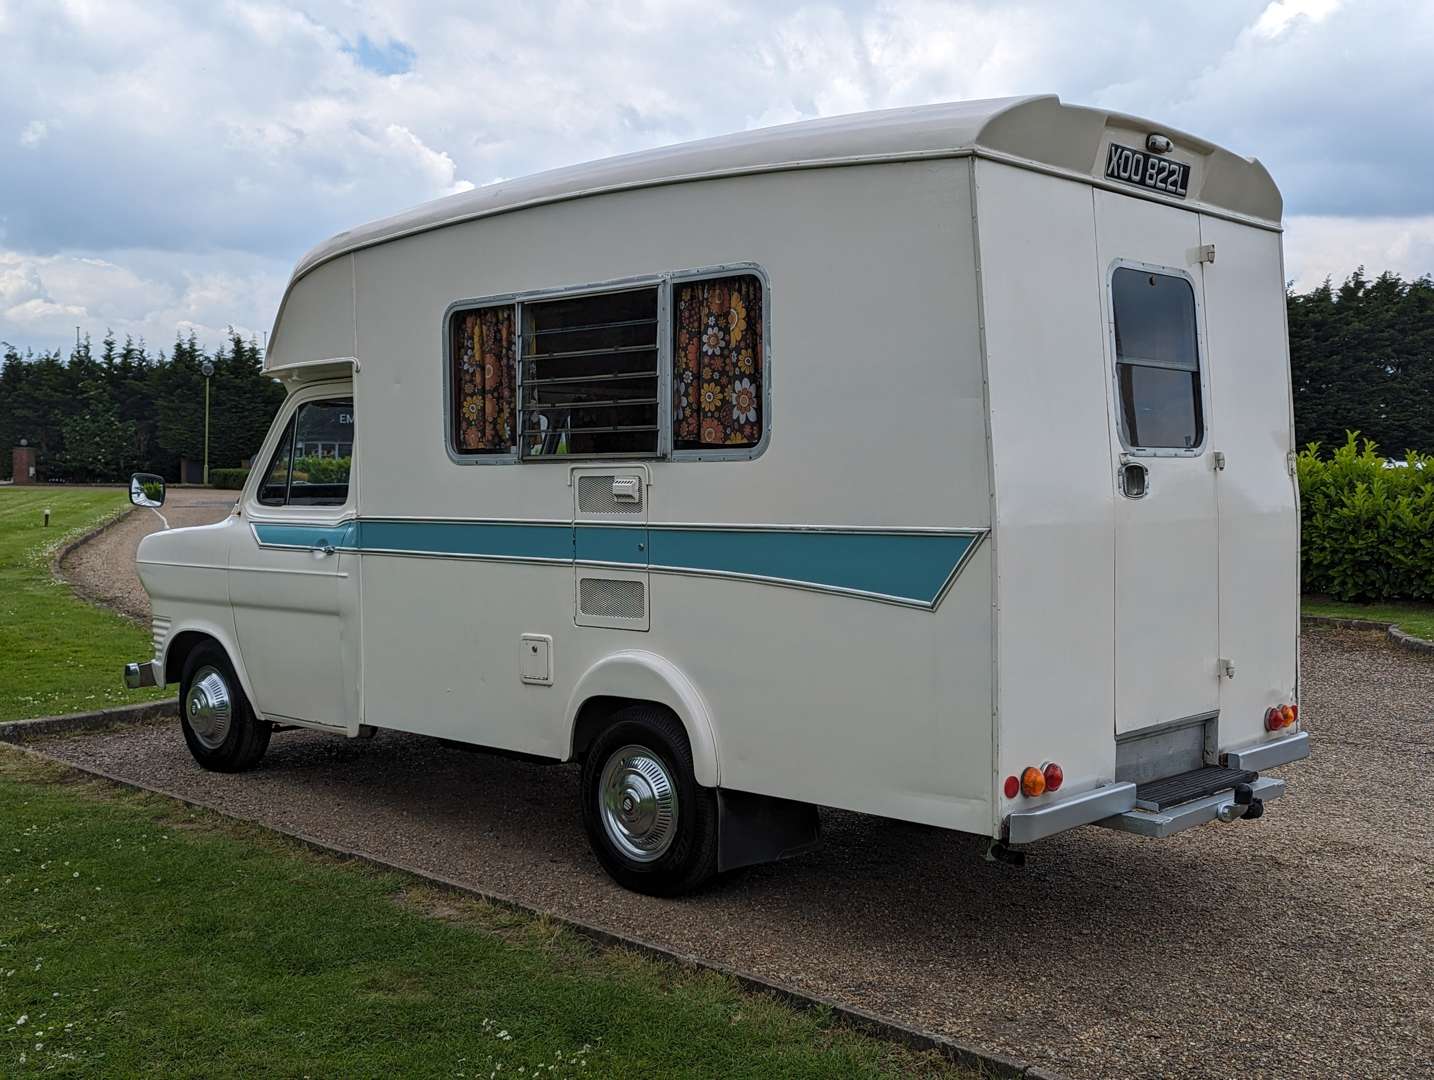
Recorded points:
650,824
221,739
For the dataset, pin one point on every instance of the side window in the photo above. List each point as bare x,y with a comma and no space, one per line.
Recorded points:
1157,360
717,363
589,380
312,462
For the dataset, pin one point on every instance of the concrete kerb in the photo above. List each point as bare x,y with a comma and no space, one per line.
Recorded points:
19,731
1396,635
982,1061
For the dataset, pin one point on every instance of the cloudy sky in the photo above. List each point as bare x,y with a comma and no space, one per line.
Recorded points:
163,164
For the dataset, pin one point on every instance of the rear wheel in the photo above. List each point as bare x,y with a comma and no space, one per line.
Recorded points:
651,825
219,725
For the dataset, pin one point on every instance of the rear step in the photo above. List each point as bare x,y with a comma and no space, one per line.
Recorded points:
1195,784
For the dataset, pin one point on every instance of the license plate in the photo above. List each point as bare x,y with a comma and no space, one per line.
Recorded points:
1147,170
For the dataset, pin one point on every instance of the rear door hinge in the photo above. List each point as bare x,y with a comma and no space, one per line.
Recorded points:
1227,668
1205,253
1291,460
1219,461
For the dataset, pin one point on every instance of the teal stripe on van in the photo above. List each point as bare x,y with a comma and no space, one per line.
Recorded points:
907,566
911,567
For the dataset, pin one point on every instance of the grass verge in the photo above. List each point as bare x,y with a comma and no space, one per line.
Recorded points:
140,937
1416,619
58,654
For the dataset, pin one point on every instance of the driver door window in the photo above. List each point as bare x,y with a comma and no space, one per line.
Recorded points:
312,462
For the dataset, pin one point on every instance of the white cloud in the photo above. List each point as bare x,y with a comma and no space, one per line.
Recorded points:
1330,247
142,294
34,133
1282,14
199,149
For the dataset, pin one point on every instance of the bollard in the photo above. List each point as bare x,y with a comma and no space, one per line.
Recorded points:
47,517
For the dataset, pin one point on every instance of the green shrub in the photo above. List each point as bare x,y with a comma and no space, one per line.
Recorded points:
228,478
1367,529
321,470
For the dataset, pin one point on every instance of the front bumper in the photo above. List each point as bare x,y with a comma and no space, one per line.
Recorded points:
140,675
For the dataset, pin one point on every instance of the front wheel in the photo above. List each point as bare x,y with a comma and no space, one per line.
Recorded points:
219,725
651,825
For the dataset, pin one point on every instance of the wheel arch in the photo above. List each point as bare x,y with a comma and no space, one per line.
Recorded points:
184,641
632,677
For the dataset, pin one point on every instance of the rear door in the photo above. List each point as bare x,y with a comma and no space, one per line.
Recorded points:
1259,509
1167,549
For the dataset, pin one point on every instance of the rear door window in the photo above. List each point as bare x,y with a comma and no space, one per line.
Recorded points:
1157,360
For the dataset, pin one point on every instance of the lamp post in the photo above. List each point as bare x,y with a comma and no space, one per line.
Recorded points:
208,369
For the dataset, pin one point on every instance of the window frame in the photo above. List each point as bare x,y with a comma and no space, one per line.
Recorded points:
664,283
1202,367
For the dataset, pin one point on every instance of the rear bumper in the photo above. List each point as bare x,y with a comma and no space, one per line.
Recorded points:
1173,819
1027,826
140,675
1267,755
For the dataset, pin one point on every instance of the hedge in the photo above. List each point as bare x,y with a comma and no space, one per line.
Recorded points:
1367,523
228,478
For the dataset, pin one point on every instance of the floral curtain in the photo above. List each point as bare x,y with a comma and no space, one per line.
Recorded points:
484,380
717,388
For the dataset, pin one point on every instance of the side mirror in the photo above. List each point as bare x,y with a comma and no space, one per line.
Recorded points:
146,489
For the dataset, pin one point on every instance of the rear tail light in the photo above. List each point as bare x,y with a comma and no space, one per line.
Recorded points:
1281,716
1033,782
1055,776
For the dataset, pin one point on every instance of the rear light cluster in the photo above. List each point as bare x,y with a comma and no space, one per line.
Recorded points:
1034,781
1281,716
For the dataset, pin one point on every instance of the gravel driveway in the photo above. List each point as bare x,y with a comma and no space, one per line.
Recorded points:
1301,945
102,570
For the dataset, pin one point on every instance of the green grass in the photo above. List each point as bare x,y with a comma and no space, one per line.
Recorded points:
58,654
1416,619
138,937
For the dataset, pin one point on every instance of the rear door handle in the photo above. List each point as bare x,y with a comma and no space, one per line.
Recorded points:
322,548
1134,480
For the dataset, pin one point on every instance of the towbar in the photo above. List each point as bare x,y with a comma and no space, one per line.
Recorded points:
138,675
1026,826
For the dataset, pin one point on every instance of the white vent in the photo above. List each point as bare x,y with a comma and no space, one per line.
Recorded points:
598,493
612,598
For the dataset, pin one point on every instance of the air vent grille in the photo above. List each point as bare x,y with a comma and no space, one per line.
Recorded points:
158,635
595,496
612,598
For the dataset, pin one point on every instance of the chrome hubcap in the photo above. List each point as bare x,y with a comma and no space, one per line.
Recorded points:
207,708
639,803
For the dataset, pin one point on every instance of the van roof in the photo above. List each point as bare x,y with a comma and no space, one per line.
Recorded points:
1036,131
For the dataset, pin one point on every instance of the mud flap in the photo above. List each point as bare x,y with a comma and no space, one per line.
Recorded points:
755,829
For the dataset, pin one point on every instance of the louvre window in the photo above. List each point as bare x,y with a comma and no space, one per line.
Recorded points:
589,382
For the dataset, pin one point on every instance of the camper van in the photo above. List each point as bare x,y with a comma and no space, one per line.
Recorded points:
933,463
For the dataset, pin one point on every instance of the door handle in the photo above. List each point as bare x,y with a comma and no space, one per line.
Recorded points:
322,549
1134,480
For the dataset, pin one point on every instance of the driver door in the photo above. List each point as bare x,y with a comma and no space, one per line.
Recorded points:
293,573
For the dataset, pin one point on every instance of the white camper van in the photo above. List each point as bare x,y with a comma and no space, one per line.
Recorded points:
933,463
